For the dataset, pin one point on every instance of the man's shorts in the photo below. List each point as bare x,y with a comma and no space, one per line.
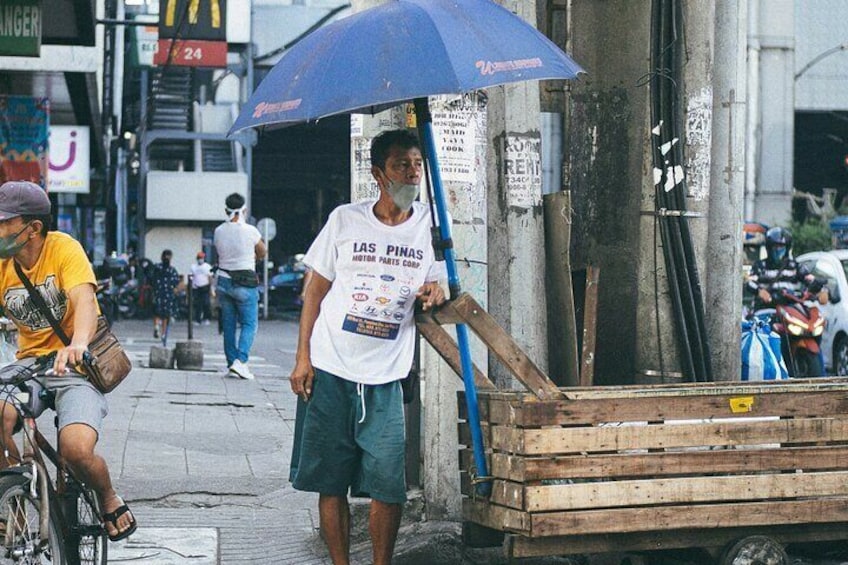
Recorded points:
353,439
77,401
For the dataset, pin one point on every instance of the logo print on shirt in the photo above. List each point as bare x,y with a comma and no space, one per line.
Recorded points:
370,310
387,278
405,291
20,307
360,297
399,316
382,301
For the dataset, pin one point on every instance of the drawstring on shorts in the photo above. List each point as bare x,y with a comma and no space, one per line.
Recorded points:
360,390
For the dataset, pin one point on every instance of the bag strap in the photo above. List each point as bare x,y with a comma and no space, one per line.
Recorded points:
39,302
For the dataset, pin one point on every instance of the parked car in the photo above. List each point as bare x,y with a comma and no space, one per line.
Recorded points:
831,266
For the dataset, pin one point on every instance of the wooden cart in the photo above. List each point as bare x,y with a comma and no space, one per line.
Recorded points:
737,469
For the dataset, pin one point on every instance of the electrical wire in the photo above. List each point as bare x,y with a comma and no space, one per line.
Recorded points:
329,15
678,249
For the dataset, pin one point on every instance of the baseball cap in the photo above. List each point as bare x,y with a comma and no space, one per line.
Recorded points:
22,198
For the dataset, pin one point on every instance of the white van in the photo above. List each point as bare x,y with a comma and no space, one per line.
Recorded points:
831,266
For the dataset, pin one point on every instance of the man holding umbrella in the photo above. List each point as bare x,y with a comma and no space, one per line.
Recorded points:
371,262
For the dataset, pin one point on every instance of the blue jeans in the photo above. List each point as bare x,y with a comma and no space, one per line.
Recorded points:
239,305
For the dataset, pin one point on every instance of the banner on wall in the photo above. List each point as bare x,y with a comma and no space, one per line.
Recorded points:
69,159
24,125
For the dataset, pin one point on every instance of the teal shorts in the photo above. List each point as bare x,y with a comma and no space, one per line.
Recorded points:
353,439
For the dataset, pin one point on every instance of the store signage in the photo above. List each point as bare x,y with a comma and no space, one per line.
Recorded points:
145,41
193,19
20,28
69,159
191,53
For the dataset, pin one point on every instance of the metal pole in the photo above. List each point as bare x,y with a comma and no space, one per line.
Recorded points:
425,128
190,295
265,270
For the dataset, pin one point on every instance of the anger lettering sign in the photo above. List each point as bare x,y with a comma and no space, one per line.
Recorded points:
193,19
20,27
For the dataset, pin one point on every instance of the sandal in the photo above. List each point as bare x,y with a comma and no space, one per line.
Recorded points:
112,517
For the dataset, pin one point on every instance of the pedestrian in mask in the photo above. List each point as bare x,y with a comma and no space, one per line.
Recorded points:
201,284
370,264
165,281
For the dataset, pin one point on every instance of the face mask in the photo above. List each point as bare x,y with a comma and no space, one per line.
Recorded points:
403,195
778,253
200,261
9,245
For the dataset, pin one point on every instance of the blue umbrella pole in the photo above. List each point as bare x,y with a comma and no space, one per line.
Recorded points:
425,129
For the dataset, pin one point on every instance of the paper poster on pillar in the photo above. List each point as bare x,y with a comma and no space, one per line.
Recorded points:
364,187
522,170
459,126
453,126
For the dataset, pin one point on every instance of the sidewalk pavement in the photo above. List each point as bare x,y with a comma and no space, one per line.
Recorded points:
203,461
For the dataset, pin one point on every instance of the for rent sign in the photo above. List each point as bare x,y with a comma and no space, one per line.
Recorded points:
20,27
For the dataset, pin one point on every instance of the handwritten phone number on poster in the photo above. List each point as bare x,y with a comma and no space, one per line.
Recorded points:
370,328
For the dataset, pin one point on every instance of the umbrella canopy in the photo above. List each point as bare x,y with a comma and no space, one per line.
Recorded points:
399,51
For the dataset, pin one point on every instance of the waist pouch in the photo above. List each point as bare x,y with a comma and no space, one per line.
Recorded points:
244,278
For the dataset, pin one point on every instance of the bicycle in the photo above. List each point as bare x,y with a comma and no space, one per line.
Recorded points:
46,522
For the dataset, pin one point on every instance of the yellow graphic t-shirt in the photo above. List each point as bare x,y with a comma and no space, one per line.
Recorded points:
62,265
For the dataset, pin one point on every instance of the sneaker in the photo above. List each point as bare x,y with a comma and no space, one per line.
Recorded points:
156,333
205,322
241,370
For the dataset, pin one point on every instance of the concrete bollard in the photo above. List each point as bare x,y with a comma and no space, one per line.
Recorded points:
161,357
189,355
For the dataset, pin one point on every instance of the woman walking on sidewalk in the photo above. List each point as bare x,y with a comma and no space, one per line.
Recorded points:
165,281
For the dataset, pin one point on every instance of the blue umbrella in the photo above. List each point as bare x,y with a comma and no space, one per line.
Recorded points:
400,51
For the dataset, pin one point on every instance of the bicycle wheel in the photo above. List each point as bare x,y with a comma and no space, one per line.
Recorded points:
85,538
20,511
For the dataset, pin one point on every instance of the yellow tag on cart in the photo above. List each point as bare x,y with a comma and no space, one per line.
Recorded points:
742,404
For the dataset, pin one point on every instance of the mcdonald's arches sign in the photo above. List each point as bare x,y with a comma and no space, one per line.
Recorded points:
192,33
205,20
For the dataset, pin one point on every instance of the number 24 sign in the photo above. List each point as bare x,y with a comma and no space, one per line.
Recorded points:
191,53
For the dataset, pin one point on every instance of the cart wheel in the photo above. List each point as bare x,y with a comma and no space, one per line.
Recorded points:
755,550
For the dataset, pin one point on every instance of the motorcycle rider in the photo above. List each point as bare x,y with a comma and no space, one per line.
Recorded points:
779,272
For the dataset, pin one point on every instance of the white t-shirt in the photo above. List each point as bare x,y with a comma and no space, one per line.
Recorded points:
364,331
201,273
236,246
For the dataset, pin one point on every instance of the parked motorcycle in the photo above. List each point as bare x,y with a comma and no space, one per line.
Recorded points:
105,300
126,299
800,326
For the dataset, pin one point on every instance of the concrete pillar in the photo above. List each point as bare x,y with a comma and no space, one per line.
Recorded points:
775,35
515,219
724,255
608,156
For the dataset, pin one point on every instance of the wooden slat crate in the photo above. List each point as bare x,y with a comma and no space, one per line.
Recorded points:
663,466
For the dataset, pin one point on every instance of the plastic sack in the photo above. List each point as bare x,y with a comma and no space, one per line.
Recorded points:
762,359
